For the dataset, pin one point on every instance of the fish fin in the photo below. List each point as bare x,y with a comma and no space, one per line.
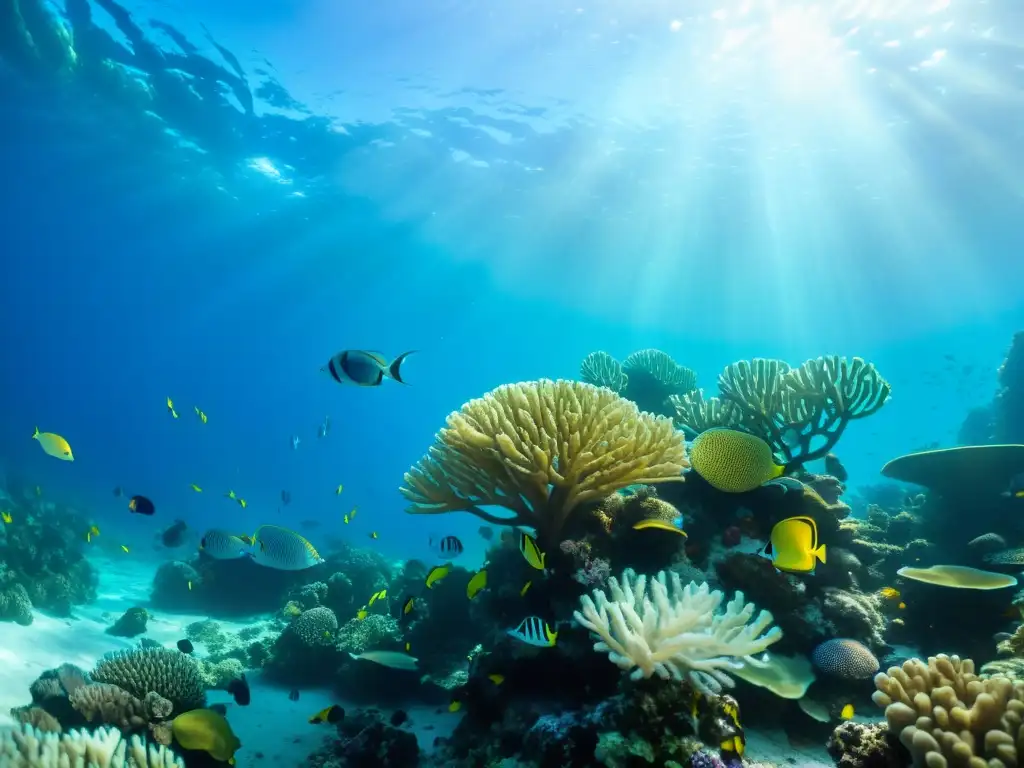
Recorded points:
778,471
394,370
36,435
820,553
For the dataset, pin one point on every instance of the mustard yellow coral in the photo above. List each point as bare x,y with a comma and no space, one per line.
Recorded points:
539,449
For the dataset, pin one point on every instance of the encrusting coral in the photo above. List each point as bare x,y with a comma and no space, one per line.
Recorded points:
800,412
26,747
675,631
539,449
946,715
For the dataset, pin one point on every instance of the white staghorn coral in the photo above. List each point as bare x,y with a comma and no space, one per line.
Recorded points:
26,747
675,632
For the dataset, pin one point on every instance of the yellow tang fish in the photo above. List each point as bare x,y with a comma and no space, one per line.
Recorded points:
455,706
345,519
53,445
476,584
847,712
6,516
243,503
408,606
373,534
658,525
437,573
124,548
196,488
232,495
889,593
170,408
378,596
339,489
200,414
362,613
525,589
531,551
93,531
496,679
793,546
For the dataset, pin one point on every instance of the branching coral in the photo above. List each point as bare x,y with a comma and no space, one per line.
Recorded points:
539,449
801,413
104,748
948,716
675,632
603,370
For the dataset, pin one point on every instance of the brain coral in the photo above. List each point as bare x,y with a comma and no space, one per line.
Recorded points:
317,626
846,658
169,673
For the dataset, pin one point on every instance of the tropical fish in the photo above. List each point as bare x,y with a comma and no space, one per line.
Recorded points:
1015,490
332,714
222,545
208,731
239,688
295,442
362,613
733,461
902,606
658,525
324,428
174,536
477,583
53,445
496,679
408,606
285,550
235,497
525,589
393,659
196,488
185,646
455,706
6,517
339,489
437,573
90,532
889,593
364,369
846,713
448,547
293,694
408,647
124,549
793,546
531,551
190,586
200,414
373,534
737,743
352,514
170,408
533,630
378,596
787,484
140,505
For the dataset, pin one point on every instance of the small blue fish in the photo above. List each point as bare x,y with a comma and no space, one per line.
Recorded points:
295,442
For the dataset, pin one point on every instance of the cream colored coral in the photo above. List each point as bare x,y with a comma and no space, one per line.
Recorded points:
26,747
675,631
948,717
539,449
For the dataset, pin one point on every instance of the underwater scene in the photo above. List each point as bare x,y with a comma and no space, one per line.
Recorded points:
448,383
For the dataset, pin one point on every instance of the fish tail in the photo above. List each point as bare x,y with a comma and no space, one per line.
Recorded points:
36,435
820,553
778,471
394,370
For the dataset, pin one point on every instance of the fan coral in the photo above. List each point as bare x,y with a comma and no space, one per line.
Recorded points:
103,748
317,626
169,673
678,632
539,449
801,413
946,715
603,370
845,658
653,377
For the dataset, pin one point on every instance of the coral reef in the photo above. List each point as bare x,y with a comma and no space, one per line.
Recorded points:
131,623
366,738
648,377
104,748
539,449
864,745
140,671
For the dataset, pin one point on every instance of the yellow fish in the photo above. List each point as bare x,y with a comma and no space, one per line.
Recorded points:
477,583
6,516
339,489
196,488
733,461
902,606
531,551
206,730
437,573
93,531
738,742
331,714
170,408
346,519
525,589
496,679
352,514
232,495
408,647
124,548
200,414
889,593
378,596
658,525
362,613
409,605
373,534
793,547
455,706
53,445
847,712
190,586
243,503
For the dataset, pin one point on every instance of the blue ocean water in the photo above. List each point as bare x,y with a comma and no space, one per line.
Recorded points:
207,201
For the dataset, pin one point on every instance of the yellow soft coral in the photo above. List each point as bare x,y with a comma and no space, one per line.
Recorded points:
539,449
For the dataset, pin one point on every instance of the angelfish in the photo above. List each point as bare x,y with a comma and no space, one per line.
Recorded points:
364,369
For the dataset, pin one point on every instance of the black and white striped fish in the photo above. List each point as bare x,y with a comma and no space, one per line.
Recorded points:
448,547
364,369
533,630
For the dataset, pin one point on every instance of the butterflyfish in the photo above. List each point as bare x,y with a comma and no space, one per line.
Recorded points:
793,546
477,583
332,714
222,545
364,369
378,596
239,689
282,549
362,613
533,630
531,551
847,712
437,573
392,659
140,505
373,535
733,461
53,445
658,525
170,408
737,742
200,414
207,731
7,518
185,646
448,547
